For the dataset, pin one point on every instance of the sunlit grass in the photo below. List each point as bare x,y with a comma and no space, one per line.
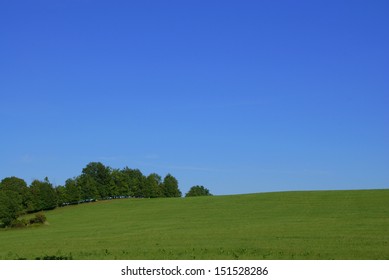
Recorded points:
289,225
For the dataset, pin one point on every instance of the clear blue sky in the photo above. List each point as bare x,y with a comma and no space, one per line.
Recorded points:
238,96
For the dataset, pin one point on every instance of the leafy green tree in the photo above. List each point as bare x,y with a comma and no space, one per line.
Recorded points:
120,183
13,184
73,191
88,187
170,187
136,182
198,191
153,186
99,175
43,194
10,207
18,187
62,196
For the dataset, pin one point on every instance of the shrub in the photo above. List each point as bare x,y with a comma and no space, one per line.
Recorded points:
18,223
39,218
198,191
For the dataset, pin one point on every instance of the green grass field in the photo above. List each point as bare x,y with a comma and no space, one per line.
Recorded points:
284,225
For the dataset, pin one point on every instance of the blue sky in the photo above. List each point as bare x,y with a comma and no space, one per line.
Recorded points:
238,96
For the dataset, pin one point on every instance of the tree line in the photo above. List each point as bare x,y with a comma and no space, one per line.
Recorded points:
96,182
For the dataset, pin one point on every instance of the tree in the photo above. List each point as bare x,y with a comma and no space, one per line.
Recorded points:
87,187
198,191
73,191
96,181
13,184
170,187
62,196
18,187
10,207
98,175
120,183
153,186
43,194
136,182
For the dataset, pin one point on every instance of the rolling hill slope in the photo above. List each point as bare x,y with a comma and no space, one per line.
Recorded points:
284,225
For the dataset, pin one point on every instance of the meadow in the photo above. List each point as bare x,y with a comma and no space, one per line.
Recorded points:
282,225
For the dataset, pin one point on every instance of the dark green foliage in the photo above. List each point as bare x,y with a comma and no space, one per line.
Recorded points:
96,182
13,184
198,191
153,186
73,191
19,188
16,199
136,181
10,207
100,182
62,196
43,195
88,187
118,183
170,187
127,182
96,178
39,218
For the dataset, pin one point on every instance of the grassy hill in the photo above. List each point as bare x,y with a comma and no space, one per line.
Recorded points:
284,225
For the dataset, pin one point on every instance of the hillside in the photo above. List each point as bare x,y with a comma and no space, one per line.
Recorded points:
283,225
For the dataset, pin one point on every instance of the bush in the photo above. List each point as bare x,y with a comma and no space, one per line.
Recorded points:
19,223
198,191
39,218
